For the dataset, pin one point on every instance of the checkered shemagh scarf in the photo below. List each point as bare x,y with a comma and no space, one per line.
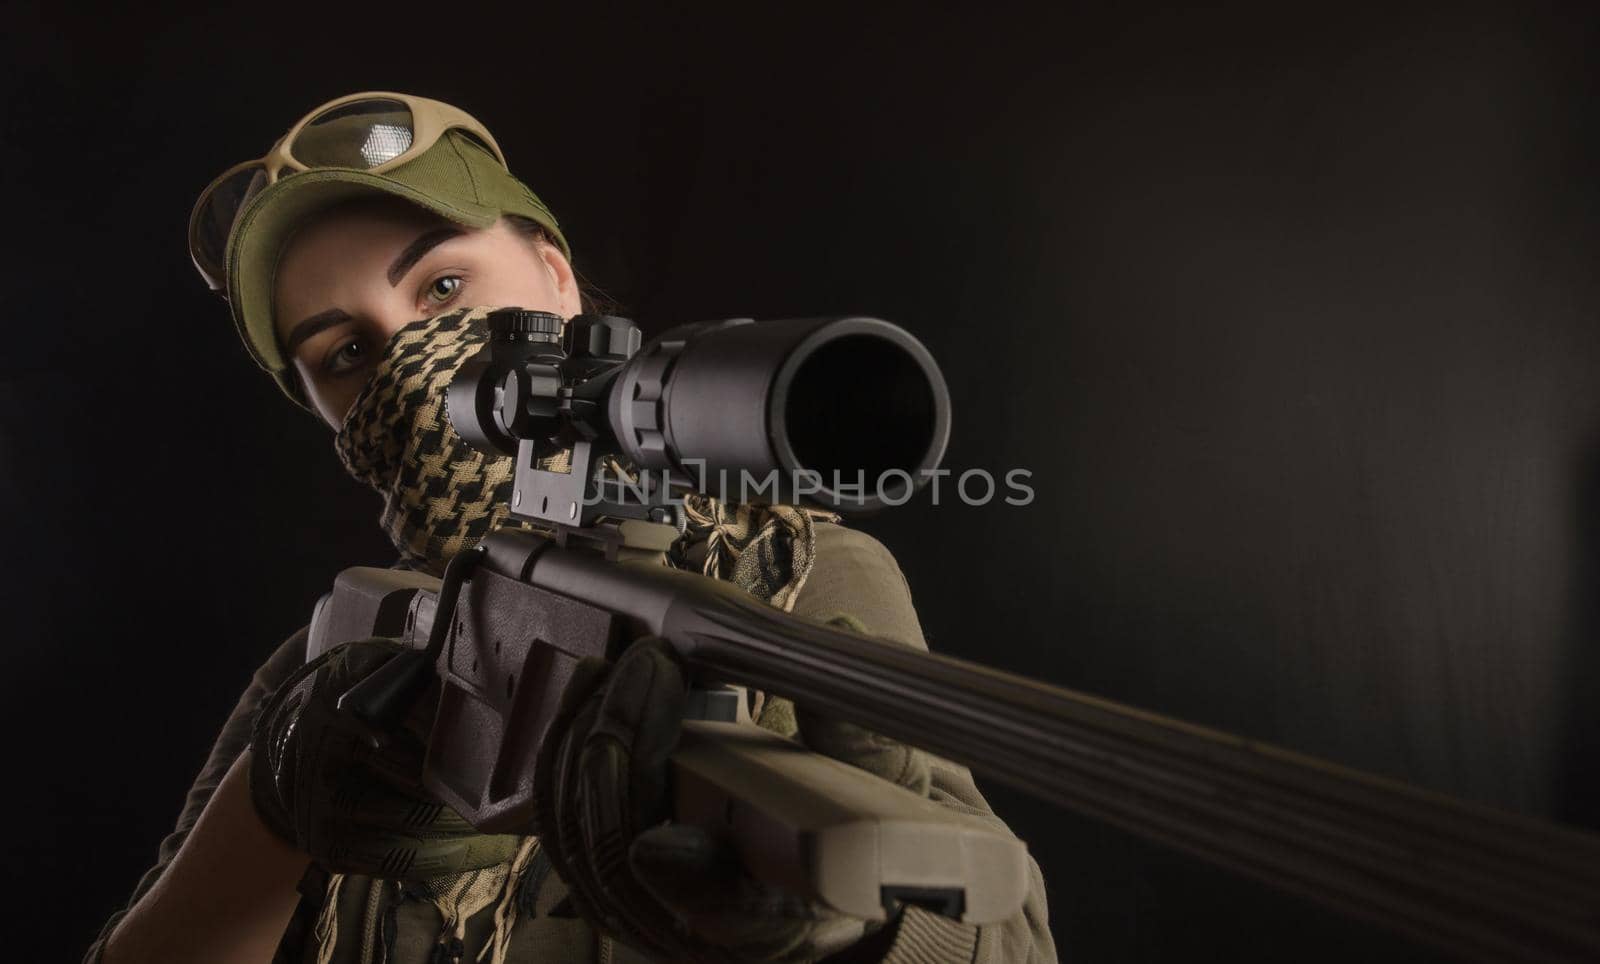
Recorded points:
440,495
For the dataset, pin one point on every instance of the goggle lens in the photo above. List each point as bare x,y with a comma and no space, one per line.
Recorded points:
214,218
362,135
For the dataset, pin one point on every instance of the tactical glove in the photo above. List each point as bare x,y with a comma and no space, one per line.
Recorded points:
670,889
318,781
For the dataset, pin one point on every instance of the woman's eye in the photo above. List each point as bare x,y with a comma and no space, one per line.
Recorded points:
352,354
443,289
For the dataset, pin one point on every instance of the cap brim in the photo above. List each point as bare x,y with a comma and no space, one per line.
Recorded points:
272,216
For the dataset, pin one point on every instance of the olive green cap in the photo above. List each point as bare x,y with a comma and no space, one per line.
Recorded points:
457,178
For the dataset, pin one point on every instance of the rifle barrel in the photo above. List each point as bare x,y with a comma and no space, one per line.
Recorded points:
1473,880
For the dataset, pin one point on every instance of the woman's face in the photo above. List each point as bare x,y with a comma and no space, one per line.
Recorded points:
351,279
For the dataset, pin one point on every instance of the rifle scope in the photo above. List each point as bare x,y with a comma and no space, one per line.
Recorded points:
850,413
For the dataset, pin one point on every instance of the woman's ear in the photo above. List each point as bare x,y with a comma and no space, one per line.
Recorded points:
566,282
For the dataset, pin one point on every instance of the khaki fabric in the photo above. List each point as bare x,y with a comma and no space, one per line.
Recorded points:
854,574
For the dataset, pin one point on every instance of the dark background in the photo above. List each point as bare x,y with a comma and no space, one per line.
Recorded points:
1292,318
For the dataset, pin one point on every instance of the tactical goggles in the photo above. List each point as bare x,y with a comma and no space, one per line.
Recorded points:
372,131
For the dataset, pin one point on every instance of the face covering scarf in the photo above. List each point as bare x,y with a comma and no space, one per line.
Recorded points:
440,495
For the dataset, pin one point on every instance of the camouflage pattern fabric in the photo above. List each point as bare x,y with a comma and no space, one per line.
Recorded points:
766,550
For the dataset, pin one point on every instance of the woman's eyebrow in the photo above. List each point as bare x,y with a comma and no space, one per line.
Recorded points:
317,323
414,251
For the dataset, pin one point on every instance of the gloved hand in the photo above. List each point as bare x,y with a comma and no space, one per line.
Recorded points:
670,889
317,781
882,757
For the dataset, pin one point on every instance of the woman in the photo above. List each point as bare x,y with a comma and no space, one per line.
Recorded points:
356,257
